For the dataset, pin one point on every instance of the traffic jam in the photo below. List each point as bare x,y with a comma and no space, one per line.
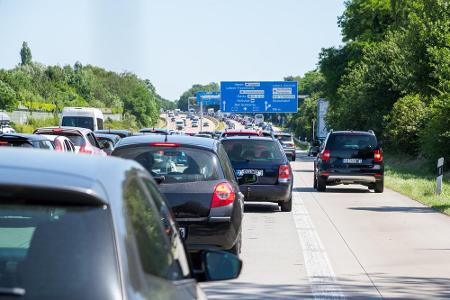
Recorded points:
98,213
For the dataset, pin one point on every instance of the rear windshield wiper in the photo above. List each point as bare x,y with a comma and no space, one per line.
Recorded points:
13,291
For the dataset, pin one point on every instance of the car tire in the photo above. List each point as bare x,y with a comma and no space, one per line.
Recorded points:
294,158
379,187
286,206
315,182
321,184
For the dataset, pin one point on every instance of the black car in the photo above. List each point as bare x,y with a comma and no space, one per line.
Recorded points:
265,158
120,132
197,179
25,141
99,229
350,157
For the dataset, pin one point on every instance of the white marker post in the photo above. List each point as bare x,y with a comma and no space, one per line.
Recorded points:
440,174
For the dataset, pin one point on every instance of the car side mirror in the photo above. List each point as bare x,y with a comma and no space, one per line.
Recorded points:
221,265
159,179
248,179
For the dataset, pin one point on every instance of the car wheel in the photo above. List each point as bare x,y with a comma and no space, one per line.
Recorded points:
294,158
286,206
315,182
379,187
321,184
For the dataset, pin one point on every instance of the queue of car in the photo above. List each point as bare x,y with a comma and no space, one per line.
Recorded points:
163,213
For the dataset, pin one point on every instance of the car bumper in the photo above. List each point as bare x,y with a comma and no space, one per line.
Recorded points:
216,234
350,178
267,193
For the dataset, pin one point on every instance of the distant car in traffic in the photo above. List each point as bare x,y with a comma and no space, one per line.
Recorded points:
264,158
107,141
202,192
99,229
313,150
120,132
350,157
84,117
204,135
26,141
287,141
194,123
206,123
83,138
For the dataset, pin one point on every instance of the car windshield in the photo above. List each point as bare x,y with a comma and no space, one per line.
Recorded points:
351,142
254,150
177,165
42,248
83,122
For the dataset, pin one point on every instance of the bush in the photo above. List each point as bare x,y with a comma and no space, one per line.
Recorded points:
404,124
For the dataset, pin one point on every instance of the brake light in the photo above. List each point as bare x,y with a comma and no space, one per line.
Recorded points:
164,145
377,156
223,195
57,130
86,149
284,173
3,143
325,155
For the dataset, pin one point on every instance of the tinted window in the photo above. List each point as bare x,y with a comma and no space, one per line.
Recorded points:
241,150
99,124
58,252
43,144
226,166
83,122
76,139
152,245
177,165
351,142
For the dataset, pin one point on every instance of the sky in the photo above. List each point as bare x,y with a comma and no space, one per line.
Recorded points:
174,43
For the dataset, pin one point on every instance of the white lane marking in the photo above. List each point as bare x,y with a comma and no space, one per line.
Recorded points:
320,273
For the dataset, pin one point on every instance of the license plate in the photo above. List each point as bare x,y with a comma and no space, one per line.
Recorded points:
352,160
182,231
256,172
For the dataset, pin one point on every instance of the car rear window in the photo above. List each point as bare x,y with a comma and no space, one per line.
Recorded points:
248,149
351,142
178,164
57,252
283,137
76,139
83,122
44,144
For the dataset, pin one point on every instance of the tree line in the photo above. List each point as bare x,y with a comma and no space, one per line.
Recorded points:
392,75
50,88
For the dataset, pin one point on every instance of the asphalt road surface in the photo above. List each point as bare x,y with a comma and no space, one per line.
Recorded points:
345,243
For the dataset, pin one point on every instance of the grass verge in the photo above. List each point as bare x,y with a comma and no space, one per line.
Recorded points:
415,178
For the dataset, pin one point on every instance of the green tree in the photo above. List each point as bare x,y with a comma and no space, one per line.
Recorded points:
183,101
25,54
8,100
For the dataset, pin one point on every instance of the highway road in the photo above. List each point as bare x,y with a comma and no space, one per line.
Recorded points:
189,128
346,243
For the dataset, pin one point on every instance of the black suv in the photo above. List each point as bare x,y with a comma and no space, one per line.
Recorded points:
350,157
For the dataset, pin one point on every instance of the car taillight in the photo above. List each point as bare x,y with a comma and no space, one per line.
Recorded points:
325,155
377,156
284,173
223,195
86,149
165,144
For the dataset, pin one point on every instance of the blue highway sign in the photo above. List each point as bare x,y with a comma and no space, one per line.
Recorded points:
208,98
259,96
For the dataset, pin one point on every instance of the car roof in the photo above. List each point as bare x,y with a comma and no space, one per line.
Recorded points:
247,138
113,131
241,131
184,140
153,129
282,133
65,128
108,135
94,176
25,136
352,132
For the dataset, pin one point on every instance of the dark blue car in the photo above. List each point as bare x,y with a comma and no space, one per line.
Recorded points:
265,158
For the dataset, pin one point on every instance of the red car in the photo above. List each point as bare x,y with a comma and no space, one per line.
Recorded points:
83,139
241,132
